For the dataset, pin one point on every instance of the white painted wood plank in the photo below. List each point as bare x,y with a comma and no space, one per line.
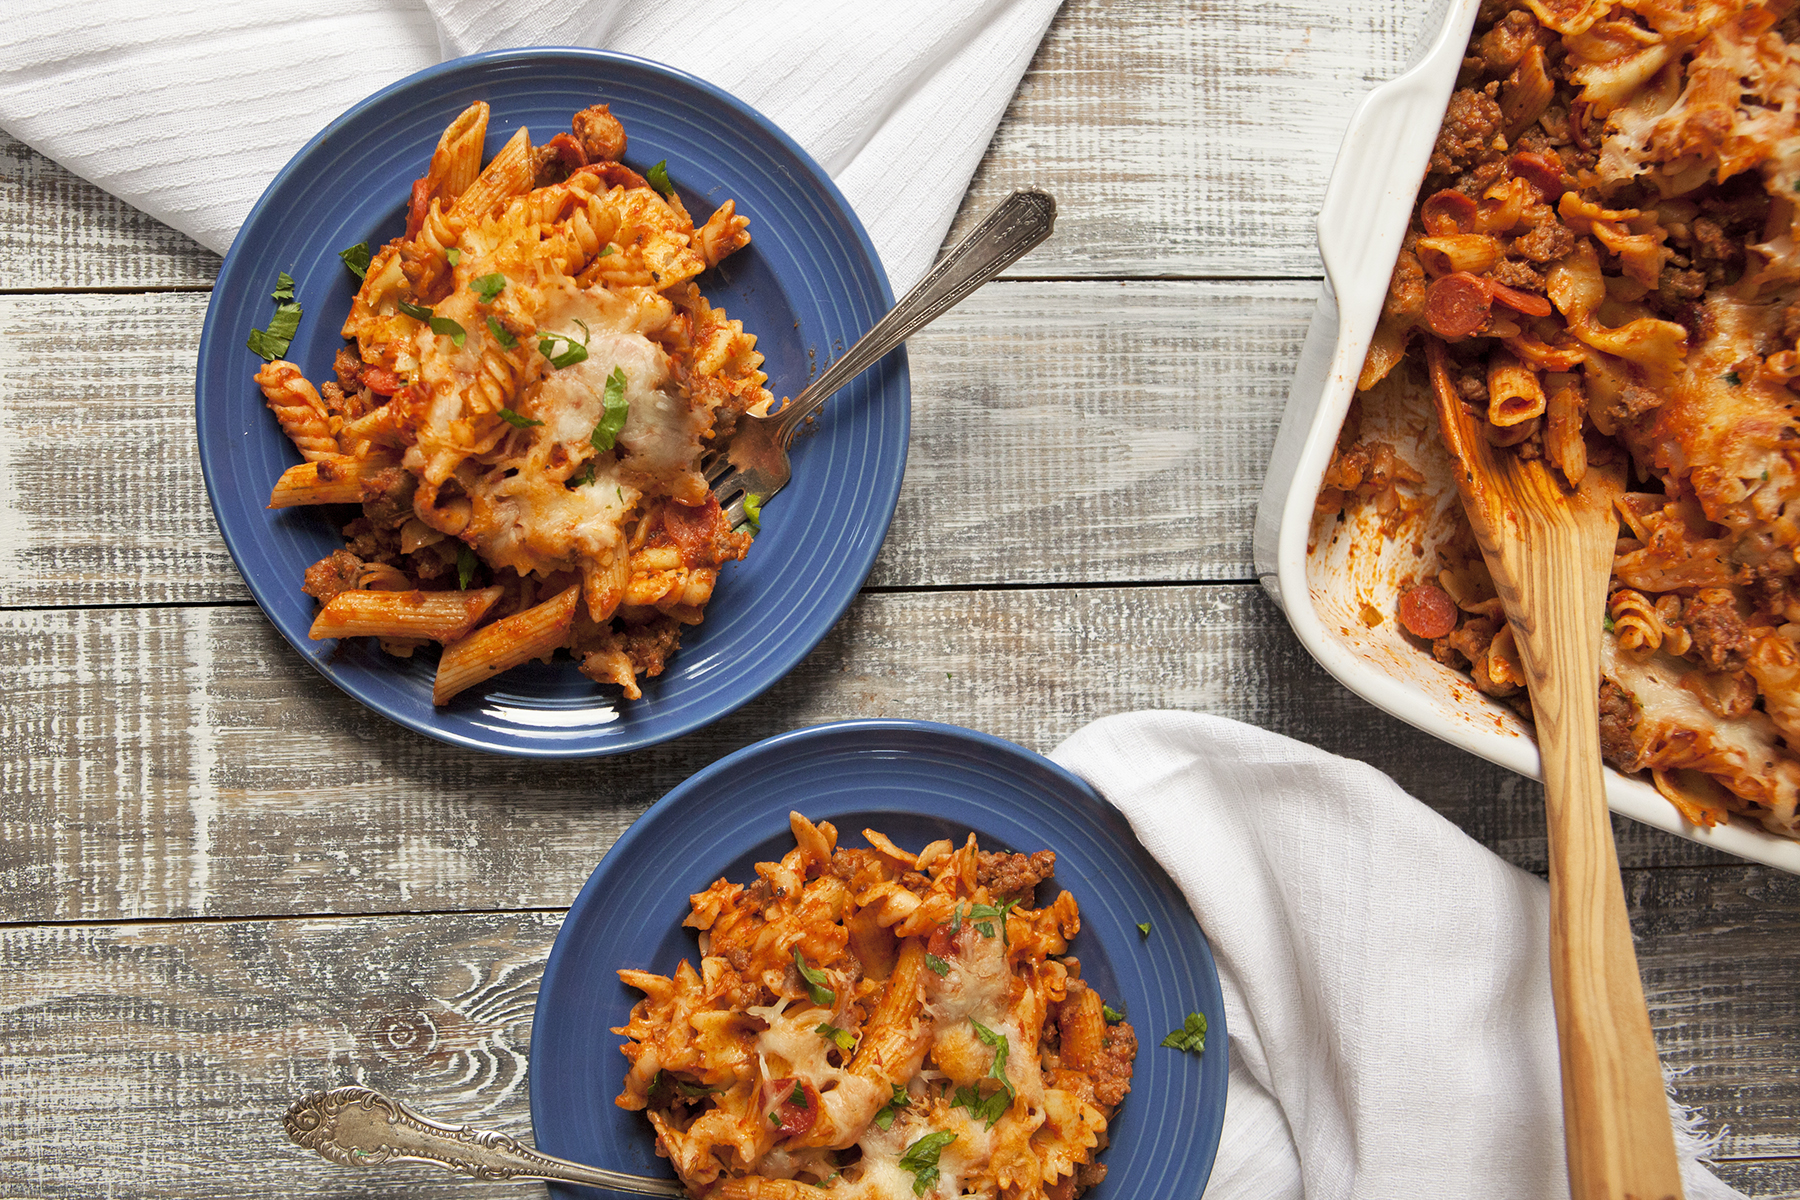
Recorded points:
157,1059
57,230
1190,139
1062,432
170,762
1179,140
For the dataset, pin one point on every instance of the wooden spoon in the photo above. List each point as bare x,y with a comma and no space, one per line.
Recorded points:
1550,552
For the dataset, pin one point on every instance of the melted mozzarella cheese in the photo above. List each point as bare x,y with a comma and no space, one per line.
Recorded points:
524,513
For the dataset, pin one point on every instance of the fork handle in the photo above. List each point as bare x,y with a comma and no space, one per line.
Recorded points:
1021,221
360,1127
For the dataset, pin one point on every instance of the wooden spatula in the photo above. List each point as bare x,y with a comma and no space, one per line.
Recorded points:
1550,552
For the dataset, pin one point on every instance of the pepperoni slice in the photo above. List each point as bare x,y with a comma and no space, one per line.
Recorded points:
1457,305
1525,302
570,151
1447,212
941,943
1427,611
418,207
798,1109
1543,173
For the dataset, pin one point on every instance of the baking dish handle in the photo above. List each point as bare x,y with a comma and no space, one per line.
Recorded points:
1380,166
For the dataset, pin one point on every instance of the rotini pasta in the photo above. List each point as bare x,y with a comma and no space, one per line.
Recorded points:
883,1024
1605,250
531,380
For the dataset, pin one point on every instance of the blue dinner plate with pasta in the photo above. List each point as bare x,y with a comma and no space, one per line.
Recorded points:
913,783
807,285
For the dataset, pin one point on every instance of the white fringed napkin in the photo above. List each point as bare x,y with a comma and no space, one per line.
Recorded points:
187,108
1386,978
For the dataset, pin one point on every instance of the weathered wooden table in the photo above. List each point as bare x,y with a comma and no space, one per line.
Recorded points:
223,883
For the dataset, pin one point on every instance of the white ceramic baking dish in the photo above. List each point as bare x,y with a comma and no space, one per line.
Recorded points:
1338,583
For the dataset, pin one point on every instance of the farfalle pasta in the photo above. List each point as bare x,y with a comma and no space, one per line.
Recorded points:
1602,264
531,380
875,1023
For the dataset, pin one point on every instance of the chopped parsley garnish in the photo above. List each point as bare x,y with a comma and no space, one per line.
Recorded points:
573,351
1002,1048
271,343
1608,623
454,255
797,1097
775,1119
356,259
486,287
1191,1037
1733,378
516,420
605,250
921,1158
984,916
507,341
658,177
585,476
956,920
1144,928
1113,1016
987,1110
816,981
442,326
843,1039
937,965
694,1091
885,1118
466,562
614,408
753,510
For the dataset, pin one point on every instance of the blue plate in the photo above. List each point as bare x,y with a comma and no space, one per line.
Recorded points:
807,286
915,782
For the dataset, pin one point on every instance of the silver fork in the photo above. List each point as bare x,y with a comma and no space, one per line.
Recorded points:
754,465
360,1127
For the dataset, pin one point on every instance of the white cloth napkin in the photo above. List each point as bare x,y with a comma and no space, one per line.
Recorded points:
1386,978
187,108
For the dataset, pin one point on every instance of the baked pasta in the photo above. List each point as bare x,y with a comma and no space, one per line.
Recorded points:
879,1023
531,379
1602,264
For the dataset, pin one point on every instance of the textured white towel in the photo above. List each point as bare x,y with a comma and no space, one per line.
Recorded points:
1386,979
187,108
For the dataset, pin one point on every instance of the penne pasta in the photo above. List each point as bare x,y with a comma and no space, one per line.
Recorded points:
1514,393
336,480
456,162
534,633
436,616
507,176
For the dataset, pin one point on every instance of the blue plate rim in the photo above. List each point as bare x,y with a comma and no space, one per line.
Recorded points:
800,740
211,334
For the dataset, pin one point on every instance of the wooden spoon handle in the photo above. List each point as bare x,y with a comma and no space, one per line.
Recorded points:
1615,1112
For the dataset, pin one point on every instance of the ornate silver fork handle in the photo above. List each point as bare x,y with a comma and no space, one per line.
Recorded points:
1020,222
755,462
360,1127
